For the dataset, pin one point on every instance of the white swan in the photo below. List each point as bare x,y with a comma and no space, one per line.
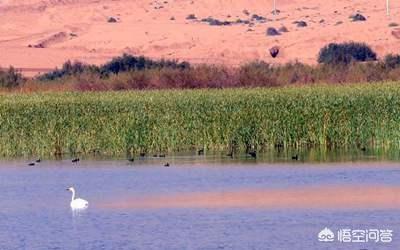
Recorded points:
77,203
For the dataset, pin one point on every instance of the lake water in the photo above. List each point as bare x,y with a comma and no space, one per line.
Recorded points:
197,204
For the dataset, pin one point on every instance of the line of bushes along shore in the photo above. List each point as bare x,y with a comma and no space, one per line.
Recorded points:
338,63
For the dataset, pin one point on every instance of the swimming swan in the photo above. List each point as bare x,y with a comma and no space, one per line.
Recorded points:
77,203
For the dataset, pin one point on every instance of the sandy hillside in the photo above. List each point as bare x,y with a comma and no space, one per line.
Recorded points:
36,35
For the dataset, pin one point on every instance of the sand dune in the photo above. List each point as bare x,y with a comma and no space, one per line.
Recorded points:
78,30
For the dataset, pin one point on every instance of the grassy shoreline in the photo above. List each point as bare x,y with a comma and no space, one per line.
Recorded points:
351,116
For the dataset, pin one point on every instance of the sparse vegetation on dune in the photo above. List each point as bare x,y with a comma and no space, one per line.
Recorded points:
358,18
327,117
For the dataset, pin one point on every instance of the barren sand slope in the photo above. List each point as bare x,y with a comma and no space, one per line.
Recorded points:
36,35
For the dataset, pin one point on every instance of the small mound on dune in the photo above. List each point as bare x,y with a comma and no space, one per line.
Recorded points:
53,39
358,18
396,33
272,32
300,24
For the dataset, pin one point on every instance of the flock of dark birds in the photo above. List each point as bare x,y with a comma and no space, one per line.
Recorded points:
33,163
252,154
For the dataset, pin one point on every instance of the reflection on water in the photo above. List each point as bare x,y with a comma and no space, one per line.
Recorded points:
321,197
78,212
200,202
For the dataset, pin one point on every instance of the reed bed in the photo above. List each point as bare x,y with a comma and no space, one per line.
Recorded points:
131,122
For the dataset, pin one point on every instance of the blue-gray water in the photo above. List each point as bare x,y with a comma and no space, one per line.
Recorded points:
35,213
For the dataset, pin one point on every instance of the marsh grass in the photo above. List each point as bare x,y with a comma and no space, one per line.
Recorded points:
325,117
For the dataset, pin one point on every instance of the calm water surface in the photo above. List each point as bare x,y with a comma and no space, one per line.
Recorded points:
35,213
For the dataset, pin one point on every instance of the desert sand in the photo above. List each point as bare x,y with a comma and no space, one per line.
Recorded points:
37,35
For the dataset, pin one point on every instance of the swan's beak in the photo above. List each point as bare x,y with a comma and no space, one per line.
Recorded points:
67,189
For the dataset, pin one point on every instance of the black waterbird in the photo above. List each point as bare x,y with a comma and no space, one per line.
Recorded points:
253,154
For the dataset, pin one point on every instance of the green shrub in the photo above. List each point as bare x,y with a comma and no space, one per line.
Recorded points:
117,65
392,61
10,78
69,69
128,63
345,53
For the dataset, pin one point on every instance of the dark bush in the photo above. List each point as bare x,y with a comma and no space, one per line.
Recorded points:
191,17
258,18
283,29
128,63
345,53
358,17
112,20
215,22
241,21
393,24
272,32
10,78
301,24
119,64
391,61
69,69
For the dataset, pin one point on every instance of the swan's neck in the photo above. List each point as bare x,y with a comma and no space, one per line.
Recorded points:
73,195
